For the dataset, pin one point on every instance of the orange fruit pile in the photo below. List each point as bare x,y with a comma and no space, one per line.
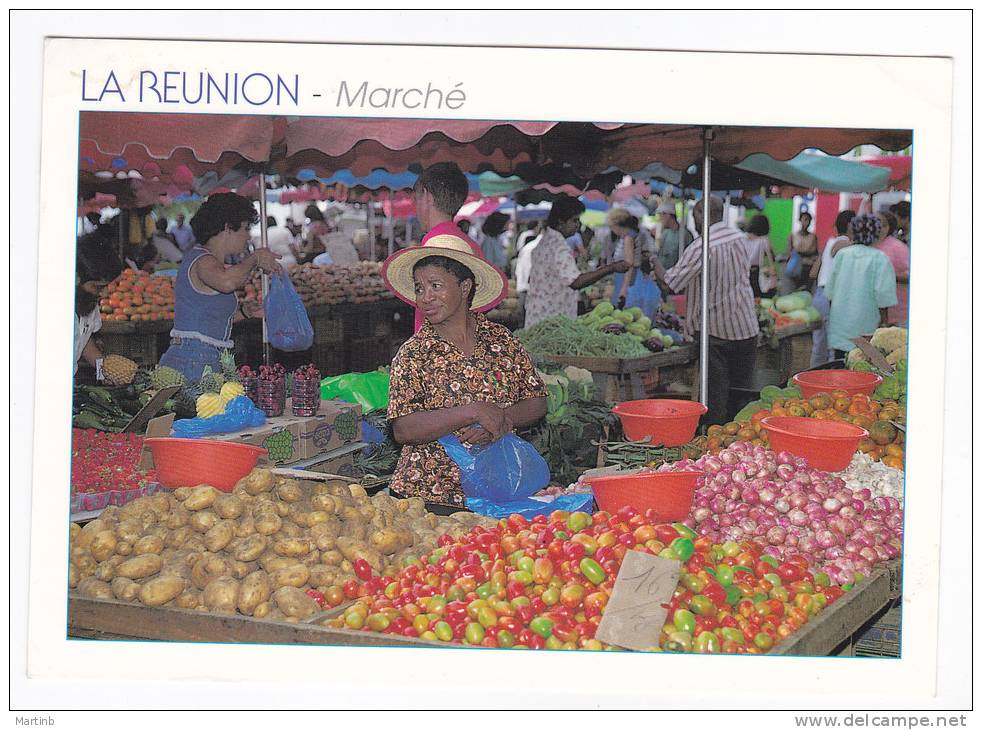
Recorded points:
136,296
885,442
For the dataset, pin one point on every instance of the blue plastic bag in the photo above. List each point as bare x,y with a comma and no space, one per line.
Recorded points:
644,294
370,434
529,508
240,413
503,471
287,322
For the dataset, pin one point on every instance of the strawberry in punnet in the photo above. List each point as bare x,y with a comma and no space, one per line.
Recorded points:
103,462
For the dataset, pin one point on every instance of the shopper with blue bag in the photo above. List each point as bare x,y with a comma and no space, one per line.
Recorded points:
460,375
205,304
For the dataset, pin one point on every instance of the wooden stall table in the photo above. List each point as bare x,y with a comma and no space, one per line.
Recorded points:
831,632
792,355
619,379
143,342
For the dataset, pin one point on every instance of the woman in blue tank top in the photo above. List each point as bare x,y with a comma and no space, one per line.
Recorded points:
205,304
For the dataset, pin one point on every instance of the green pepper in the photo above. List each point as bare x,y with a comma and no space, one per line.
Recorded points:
822,579
685,530
668,554
443,631
484,590
773,578
506,640
702,606
724,574
474,633
707,643
684,620
679,641
562,535
553,643
770,560
733,595
683,547
515,557
542,626
522,576
578,520
694,583
758,597
592,570
732,634
526,563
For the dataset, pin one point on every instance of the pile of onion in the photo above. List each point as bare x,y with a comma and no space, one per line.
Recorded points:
776,500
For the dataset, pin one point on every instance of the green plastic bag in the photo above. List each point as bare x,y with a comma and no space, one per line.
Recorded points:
370,390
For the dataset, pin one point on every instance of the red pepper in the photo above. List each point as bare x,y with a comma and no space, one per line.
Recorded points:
715,593
362,569
318,597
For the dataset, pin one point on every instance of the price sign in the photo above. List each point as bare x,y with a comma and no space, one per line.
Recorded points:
637,608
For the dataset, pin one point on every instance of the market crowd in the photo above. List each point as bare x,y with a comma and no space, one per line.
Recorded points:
462,375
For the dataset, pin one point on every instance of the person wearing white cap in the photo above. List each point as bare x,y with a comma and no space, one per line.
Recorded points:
459,374
671,234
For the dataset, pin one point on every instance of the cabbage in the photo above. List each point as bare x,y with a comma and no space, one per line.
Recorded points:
813,314
767,303
799,315
791,302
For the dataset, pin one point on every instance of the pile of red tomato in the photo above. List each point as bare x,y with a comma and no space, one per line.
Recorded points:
544,584
103,462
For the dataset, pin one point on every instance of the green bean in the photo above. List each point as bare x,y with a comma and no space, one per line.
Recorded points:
560,335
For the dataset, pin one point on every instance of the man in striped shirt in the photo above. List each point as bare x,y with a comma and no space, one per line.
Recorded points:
732,316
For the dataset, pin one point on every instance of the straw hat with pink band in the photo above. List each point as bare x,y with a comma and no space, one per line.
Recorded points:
397,270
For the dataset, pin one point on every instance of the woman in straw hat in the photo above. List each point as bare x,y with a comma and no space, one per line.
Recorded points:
459,374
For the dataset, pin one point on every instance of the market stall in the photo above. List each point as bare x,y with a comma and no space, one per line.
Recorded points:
759,545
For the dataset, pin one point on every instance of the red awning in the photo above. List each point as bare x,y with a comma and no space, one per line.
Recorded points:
900,169
207,136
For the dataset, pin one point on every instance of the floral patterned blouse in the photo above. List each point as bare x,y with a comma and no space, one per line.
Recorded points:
429,373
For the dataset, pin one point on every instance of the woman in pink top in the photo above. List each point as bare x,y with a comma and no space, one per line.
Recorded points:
899,254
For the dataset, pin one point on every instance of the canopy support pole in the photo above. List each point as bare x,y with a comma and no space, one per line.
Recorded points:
392,224
707,136
370,222
264,243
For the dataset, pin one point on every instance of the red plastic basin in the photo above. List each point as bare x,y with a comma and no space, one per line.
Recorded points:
190,462
667,494
667,422
825,381
825,445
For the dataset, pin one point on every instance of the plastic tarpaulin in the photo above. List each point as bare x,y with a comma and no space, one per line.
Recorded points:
829,174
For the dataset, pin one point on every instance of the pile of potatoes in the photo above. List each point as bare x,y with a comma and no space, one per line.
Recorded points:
253,551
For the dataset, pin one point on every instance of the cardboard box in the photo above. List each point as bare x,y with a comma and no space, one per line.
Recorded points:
292,438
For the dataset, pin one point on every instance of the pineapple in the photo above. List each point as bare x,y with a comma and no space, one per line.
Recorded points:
211,382
118,370
229,371
230,391
209,404
165,377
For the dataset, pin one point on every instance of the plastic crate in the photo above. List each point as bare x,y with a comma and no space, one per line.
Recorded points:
882,638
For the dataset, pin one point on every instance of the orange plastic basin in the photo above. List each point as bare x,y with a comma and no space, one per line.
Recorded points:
190,462
667,422
825,445
667,494
825,381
